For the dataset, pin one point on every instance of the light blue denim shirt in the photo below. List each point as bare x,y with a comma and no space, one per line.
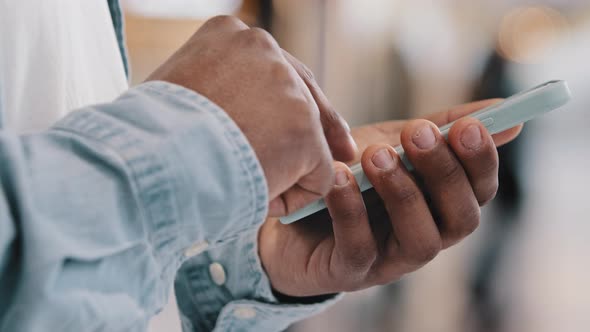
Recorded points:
102,214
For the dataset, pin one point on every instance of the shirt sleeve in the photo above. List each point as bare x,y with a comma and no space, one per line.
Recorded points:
226,289
98,213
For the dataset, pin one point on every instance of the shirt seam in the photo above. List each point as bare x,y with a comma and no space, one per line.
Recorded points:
236,138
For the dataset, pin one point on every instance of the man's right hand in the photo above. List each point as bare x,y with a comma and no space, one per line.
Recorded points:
275,102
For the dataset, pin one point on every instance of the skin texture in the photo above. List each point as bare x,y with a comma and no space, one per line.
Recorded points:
274,100
403,222
395,228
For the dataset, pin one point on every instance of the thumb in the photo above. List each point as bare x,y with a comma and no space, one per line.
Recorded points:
311,187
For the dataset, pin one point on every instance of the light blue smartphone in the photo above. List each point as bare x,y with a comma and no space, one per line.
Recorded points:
515,110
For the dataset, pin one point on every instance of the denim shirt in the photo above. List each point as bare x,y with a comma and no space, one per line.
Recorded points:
106,212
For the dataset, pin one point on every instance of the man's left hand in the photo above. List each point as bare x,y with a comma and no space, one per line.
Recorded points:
402,223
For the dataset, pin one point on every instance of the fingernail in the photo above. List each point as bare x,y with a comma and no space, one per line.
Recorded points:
471,137
341,178
382,159
424,137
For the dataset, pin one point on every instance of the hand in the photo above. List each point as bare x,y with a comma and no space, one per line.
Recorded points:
274,101
404,222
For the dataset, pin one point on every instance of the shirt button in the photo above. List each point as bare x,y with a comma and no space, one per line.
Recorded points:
244,313
196,249
217,273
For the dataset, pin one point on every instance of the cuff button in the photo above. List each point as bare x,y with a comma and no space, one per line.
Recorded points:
217,273
196,249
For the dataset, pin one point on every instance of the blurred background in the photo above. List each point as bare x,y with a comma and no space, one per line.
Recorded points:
526,268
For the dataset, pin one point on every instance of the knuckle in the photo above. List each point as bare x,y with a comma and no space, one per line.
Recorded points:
279,70
471,224
487,194
407,195
306,72
450,170
431,251
223,20
261,34
257,37
424,252
301,68
290,206
330,119
490,166
358,260
350,211
467,225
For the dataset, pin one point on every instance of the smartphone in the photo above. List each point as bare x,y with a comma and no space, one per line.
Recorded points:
513,111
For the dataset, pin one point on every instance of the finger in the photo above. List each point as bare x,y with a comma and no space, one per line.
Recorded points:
444,179
295,198
448,116
336,129
475,148
355,249
415,237
223,23
388,131
308,189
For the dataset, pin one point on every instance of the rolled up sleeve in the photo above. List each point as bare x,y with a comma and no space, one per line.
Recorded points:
194,175
227,289
103,208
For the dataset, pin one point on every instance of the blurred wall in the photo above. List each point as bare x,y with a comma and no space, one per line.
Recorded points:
378,60
349,46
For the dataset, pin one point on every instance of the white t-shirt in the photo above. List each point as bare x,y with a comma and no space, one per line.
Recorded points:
55,56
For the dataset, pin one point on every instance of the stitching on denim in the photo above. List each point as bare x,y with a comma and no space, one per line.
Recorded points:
253,169
76,129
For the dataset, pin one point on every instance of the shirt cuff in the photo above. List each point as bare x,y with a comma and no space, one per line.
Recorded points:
227,289
195,176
